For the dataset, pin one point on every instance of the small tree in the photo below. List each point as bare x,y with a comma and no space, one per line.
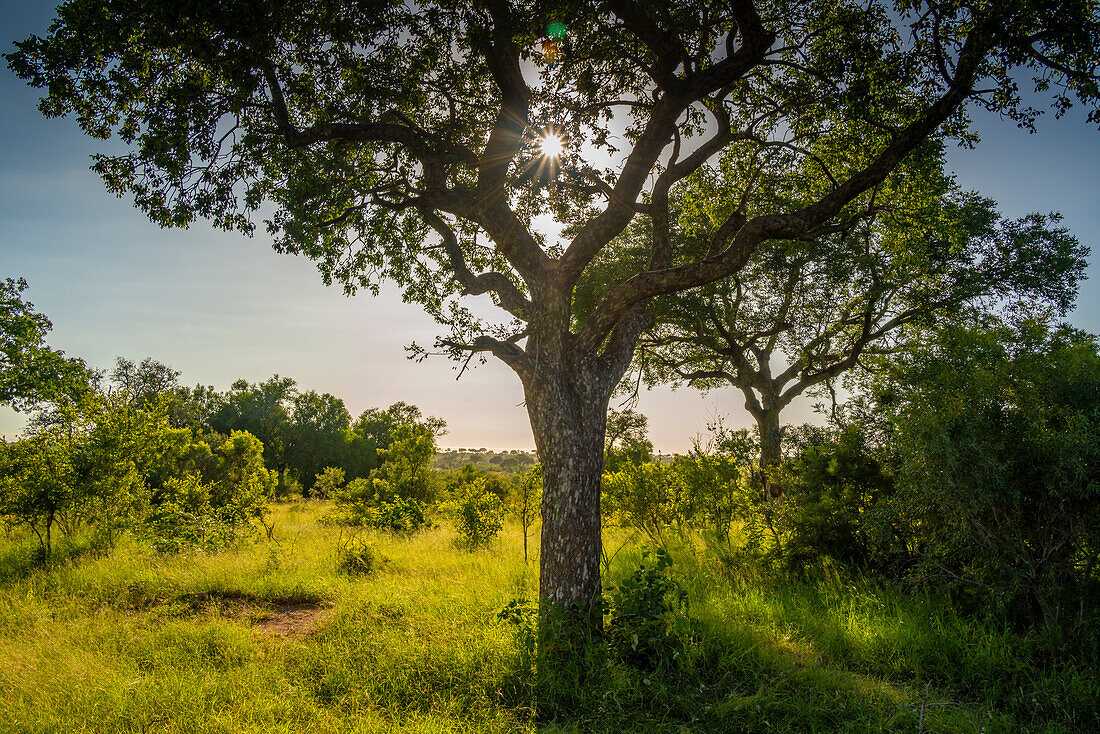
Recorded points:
328,482
30,372
406,465
711,481
627,440
479,517
244,485
641,496
37,484
527,501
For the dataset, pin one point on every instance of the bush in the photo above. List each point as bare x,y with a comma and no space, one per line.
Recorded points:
837,503
996,427
402,516
642,496
646,621
479,518
287,487
327,483
182,517
358,558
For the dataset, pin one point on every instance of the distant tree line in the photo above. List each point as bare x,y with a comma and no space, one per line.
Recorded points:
303,432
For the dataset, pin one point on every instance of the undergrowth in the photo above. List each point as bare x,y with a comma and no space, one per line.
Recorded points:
136,641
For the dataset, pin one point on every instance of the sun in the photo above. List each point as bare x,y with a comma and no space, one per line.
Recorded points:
551,145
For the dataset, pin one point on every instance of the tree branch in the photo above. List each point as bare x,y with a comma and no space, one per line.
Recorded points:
511,354
499,284
792,225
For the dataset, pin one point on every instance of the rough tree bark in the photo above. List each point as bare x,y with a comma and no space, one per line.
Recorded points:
771,437
568,413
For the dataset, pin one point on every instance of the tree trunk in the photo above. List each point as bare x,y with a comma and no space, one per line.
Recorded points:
771,450
568,414
568,419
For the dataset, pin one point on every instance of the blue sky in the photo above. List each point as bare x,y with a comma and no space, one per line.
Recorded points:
221,306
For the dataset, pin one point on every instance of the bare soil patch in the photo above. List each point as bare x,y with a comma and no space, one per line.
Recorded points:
279,617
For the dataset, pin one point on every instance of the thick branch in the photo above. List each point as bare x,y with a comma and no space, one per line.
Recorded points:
502,57
664,45
414,141
619,349
507,352
793,225
499,284
655,137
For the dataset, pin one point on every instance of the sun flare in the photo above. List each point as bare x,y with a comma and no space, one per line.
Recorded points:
551,145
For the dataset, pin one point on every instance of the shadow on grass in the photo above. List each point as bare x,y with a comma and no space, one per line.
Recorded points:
720,680
20,559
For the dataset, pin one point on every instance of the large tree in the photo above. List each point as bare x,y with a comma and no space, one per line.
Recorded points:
800,314
317,434
263,410
400,140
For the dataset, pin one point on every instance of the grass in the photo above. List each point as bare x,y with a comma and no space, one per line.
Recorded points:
137,642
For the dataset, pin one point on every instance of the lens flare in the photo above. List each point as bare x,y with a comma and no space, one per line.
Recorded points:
551,145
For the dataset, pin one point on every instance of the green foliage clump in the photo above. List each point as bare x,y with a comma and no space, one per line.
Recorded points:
476,500
711,483
358,558
393,496
641,496
30,371
88,463
479,518
214,510
405,471
328,482
999,477
626,440
837,503
183,517
645,620
403,516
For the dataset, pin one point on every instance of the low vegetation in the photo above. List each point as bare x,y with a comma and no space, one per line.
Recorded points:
306,632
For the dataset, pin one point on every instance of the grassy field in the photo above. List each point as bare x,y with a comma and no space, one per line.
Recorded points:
271,637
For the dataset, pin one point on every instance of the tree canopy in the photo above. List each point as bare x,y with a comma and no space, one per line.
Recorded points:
30,371
800,314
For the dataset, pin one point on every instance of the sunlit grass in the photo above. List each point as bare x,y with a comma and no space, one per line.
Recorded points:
135,641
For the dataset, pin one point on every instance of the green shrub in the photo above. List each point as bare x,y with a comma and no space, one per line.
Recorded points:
182,517
999,476
288,487
646,621
402,516
837,503
358,558
641,496
327,482
479,518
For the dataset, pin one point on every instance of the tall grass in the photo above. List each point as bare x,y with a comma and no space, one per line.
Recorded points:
138,642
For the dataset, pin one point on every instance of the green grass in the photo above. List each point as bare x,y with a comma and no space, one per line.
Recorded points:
137,642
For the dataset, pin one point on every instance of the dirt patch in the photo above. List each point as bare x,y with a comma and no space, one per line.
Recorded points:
292,618
280,617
